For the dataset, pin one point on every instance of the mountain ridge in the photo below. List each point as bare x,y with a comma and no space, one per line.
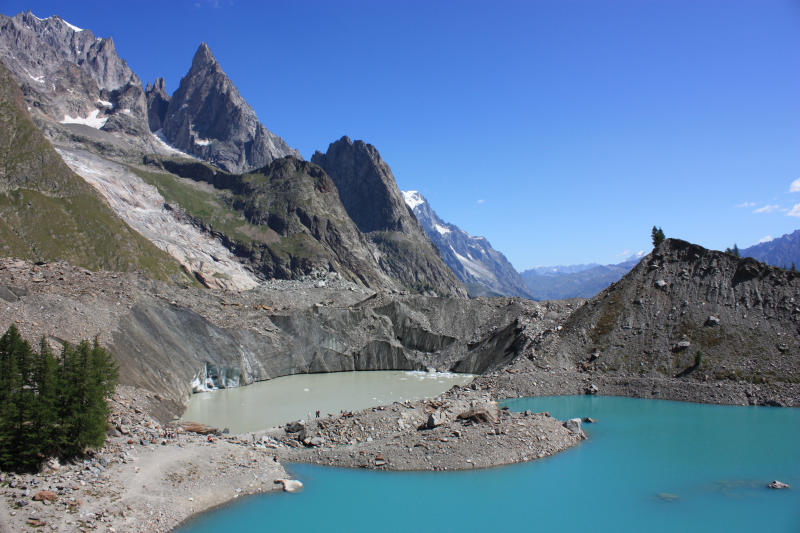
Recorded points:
482,269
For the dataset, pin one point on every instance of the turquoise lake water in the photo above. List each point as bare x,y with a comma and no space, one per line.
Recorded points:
648,466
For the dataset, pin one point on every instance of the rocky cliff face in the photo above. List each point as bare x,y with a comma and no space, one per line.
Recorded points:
370,195
208,118
483,270
689,312
157,104
69,76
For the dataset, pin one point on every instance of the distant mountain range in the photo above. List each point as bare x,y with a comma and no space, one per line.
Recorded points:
482,269
574,281
782,252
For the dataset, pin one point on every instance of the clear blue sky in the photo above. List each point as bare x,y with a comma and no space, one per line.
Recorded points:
560,130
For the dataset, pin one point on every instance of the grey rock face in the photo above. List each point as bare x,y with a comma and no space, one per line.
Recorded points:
157,104
643,330
482,269
69,75
372,199
207,117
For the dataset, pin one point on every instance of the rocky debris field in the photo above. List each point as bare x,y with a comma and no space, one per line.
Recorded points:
461,429
147,477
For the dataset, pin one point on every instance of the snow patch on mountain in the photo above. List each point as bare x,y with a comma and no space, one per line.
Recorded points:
413,199
92,120
441,229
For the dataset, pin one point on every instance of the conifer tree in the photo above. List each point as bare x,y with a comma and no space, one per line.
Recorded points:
657,235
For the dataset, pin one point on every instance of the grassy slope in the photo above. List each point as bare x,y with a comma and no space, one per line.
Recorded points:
48,213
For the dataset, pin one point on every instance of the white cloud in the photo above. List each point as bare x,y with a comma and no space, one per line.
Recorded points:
765,238
746,204
795,212
624,253
795,186
769,208
480,201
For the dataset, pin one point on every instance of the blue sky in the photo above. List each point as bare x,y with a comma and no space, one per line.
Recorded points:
561,130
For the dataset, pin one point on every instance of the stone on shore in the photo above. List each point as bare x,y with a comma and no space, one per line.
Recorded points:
290,485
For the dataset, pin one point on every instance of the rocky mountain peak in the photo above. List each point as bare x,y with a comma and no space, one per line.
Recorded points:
373,201
208,118
69,76
203,58
366,186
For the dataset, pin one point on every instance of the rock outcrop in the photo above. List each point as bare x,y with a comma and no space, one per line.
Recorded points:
688,312
157,104
370,195
208,118
483,270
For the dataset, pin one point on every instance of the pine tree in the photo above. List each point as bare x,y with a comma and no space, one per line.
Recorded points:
657,235
44,415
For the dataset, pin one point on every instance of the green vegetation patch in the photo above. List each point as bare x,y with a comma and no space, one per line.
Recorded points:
80,230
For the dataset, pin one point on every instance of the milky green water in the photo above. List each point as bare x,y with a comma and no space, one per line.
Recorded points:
648,466
277,401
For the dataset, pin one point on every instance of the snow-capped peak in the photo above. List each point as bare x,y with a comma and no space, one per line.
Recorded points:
413,198
70,26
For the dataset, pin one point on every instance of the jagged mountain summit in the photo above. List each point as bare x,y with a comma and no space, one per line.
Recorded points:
208,118
574,281
482,269
71,77
782,252
372,199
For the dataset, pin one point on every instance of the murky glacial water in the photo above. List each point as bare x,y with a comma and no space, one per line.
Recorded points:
277,401
648,466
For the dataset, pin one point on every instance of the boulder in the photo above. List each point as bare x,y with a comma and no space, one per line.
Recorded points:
434,419
778,485
478,415
712,321
681,345
290,485
294,427
592,389
574,426
45,495
661,283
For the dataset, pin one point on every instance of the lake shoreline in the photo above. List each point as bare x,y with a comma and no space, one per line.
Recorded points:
157,484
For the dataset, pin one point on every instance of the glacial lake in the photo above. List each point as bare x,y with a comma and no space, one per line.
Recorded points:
276,401
648,466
